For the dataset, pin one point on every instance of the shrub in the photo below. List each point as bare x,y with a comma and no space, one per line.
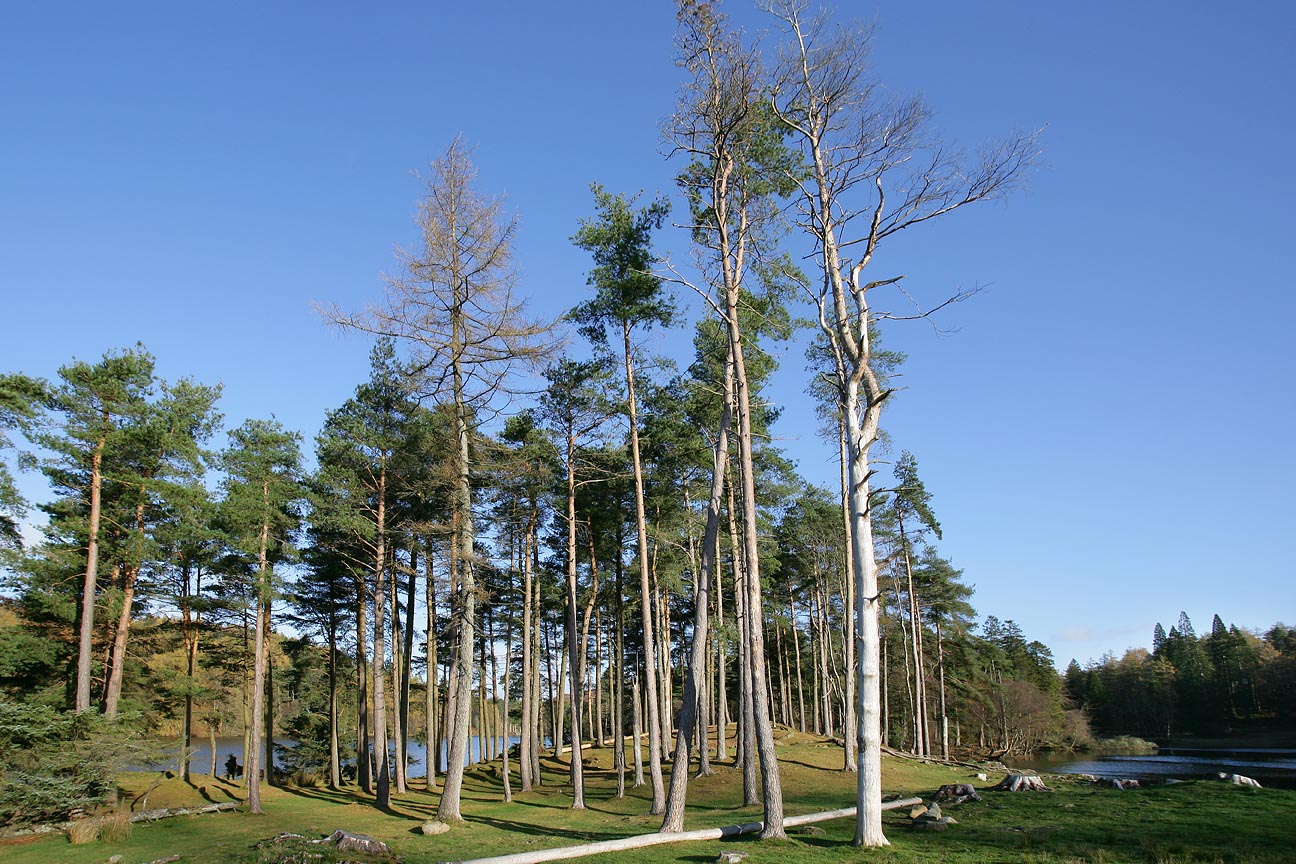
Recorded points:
113,827
54,763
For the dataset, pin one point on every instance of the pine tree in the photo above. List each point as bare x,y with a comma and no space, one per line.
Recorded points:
261,514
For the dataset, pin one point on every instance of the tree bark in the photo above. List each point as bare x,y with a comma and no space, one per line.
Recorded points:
431,698
573,663
85,642
381,756
645,590
675,800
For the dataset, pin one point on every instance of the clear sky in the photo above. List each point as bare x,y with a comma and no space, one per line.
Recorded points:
1107,434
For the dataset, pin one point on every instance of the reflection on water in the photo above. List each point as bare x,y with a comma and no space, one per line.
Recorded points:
1270,766
201,761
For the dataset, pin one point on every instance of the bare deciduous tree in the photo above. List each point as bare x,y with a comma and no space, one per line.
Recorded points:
722,126
873,171
469,336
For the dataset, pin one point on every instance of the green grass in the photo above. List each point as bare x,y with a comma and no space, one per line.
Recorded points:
1189,823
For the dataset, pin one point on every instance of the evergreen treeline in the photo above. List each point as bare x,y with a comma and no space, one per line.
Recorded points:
1226,681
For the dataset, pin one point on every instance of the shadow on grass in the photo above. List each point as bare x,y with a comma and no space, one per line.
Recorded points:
534,830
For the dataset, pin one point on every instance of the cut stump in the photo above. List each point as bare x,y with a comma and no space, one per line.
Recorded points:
1022,783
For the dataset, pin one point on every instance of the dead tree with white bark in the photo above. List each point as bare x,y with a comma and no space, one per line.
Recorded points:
873,170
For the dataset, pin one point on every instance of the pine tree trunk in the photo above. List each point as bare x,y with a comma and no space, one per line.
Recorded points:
335,756
407,661
381,756
252,754
364,765
431,696
573,643
638,734
189,623
618,697
116,672
528,708
504,709
645,592
85,642
267,717
397,674
675,801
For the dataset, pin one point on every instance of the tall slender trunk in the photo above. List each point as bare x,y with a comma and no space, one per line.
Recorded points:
529,714
722,672
537,715
189,625
504,709
868,824
772,790
940,661
851,744
448,810
364,764
121,633
431,698
407,662
267,716
335,756
573,663
618,704
397,670
645,591
252,754
599,738
558,700
381,756
800,683
675,800
746,754
921,738
85,642
637,732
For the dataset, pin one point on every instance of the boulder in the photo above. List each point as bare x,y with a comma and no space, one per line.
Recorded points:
345,841
434,827
957,793
729,856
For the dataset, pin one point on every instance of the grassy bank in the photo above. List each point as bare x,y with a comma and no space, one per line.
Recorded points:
1182,824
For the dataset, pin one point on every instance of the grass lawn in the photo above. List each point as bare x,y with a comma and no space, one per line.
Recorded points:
1180,824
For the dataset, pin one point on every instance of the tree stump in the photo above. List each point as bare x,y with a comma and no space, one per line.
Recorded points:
1022,783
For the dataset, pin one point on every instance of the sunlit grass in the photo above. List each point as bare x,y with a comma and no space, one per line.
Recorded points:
1191,823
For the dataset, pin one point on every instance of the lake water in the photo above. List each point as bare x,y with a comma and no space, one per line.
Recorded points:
200,762
1269,766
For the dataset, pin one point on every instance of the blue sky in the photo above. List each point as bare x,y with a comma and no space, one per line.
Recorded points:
1105,429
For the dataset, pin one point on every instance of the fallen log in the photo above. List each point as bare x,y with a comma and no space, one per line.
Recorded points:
639,841
164,813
